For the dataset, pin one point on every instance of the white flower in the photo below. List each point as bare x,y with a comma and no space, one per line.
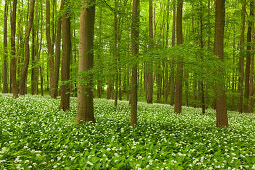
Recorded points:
90,163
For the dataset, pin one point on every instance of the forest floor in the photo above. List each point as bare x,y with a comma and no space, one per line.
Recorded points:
35,134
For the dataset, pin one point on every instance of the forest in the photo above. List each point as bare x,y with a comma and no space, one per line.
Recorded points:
127,84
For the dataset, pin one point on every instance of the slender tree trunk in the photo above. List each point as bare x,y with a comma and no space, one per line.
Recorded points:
233,75
178,94
65,66
39,51
33,65
172,84
186,75
13,51
49,46
99,82
248,60
135,51
150,65
85,109
166,89
252,75
241,61
5,83
115,54
202,46
221,108
57,55
27,53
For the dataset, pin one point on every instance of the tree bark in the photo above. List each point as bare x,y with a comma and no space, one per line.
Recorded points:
39,51
85,109
5,75
65,66
99,82
33,65
248,60
241,61
27,53
178,94
135,51
252,73
221,108
115,55
13,51
202,46
172,84
150,65
49,46
57,55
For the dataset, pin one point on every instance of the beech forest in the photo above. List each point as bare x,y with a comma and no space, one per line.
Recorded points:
127,84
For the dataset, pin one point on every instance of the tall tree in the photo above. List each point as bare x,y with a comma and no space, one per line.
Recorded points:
167,81
99,57
65,66
85,109
57,54
241,61
135,51
115,53
178,94
13,50
150,65
5,75
221,107
27,53
202,46
49,46
172,86
248,59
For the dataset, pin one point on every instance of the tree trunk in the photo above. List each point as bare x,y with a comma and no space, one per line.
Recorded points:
248,60
178,94
241,61
49,46
135,51
65,66
221,108
85,109
252,75
202,46
186,75
167,81
27,53
57,55
234,70
39,51
150,65
13,51
99,82
33,65
5,83
172,84
115,55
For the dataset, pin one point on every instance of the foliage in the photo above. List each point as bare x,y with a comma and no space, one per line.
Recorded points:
36,134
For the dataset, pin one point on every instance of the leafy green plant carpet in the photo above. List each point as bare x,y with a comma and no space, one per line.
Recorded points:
35,134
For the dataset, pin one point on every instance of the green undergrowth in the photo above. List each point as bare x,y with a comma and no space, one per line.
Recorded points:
35,134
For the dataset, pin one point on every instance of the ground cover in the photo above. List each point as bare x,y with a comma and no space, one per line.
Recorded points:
36,134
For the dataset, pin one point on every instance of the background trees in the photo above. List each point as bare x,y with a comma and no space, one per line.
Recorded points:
163,69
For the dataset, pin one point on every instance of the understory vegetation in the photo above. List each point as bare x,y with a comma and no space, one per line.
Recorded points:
35,134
